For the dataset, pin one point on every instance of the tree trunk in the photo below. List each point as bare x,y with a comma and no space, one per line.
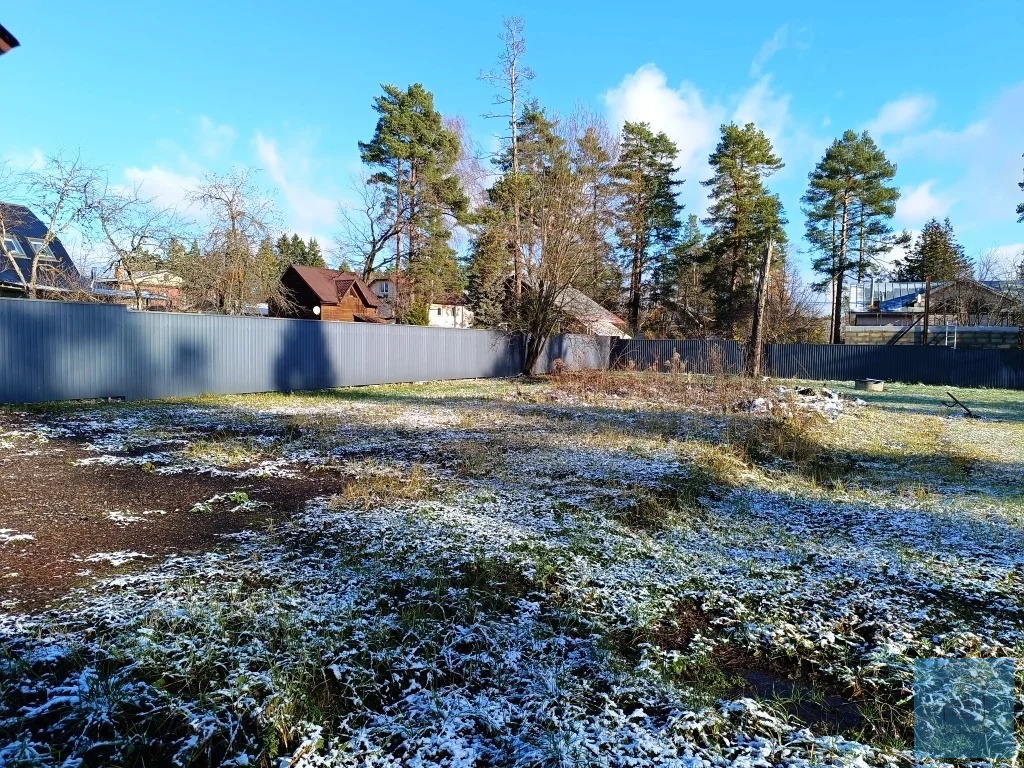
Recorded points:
757,331
837,310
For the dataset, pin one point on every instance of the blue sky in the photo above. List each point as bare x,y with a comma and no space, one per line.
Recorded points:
158,95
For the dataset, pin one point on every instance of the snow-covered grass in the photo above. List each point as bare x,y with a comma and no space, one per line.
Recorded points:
533,574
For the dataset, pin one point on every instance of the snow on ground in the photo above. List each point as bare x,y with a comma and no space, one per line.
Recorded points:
8,535
534,583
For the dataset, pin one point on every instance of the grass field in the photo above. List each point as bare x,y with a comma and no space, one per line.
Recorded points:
614,569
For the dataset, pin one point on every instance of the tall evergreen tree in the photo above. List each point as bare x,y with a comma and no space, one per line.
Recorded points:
294,250
414,156
487,272
679,303
601,276
849,204
936,254
742,217
647,216
314,257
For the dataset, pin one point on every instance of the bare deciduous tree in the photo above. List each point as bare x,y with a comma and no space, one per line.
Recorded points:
235,268
511,78
367,226
563,234
792,314
135,230
60,194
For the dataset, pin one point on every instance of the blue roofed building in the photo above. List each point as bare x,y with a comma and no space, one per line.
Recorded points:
24,236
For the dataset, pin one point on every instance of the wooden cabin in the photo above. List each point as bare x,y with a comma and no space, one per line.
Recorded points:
327,294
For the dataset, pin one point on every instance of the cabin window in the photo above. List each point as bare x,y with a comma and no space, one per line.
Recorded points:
45,254
383,288
12,245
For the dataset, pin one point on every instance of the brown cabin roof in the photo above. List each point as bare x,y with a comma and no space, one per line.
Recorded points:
331,285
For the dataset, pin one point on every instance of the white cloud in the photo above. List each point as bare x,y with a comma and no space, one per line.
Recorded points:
307,211
981,162
168,188
901,115
29,160
918,204
765,108
680,112
769,48
693,121
214,138
1011,252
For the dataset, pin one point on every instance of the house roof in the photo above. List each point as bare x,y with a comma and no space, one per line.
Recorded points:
899,297
451,300
588,312
22,224
7,40
331,285
361,317
911,300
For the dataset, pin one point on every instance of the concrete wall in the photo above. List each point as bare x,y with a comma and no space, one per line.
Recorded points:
967,337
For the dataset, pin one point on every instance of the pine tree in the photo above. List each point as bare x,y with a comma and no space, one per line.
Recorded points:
647,217
742,217
314,258
849,204
415,157
679,304
937,255
487,272
601,276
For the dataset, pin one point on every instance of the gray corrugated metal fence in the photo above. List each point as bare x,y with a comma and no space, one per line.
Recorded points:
1002,368
696,355
63,351
944,366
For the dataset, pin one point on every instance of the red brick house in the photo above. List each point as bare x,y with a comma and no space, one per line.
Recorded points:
327,294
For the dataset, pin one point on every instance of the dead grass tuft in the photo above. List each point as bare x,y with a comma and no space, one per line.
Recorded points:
717,392
380,489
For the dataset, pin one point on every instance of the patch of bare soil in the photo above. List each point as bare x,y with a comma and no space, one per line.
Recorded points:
74,512
798,691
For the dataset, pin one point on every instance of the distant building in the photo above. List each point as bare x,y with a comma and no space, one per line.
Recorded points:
23,239
581,314
964,302
161,289
962,313
451,312
327,294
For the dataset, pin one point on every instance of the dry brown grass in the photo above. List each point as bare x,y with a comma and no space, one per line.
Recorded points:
716,391
377,490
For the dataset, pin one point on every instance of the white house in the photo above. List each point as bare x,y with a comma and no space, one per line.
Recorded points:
451,312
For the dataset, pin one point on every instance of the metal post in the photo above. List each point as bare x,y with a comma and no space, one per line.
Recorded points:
927,306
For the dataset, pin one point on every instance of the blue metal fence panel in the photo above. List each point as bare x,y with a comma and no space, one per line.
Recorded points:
943,366
65,351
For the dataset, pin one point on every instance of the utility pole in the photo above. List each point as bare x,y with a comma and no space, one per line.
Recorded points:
757,331
927,307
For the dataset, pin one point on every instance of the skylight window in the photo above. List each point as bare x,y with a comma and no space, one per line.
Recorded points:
44,252
12,246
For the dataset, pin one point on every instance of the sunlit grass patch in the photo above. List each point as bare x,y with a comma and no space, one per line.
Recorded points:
385,487
227,452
